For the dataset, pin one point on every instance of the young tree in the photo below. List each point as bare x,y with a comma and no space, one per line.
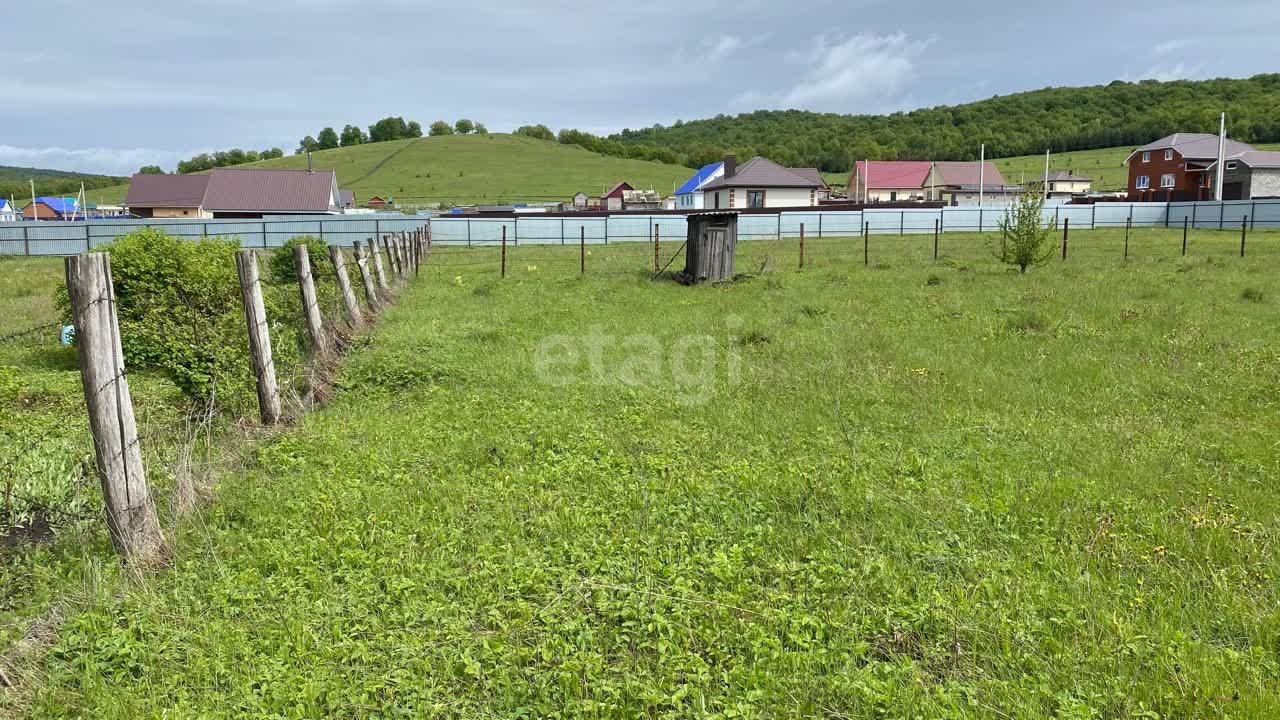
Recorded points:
440,127
150,170
464,127
327,139
481,129
352,135
413,129
1025,239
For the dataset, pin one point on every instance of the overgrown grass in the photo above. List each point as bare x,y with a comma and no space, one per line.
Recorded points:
843,491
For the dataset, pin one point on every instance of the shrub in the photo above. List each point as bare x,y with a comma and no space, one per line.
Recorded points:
934,279
1025,239
282,270
1253,294
179,308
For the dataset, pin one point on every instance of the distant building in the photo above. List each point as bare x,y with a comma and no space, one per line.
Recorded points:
378,203
1249,175
689,196
51,208
1176,167
641,200
1062,184
581,200
762,183
612,198
235,193
969,183
7,212
346,199
876,181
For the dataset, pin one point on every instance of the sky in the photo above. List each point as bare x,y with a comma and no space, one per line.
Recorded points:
108,87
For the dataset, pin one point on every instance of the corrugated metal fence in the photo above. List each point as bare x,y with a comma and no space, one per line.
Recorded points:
52,237
66,238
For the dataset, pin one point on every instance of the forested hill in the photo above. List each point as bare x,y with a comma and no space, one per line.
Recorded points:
1061,119
15,182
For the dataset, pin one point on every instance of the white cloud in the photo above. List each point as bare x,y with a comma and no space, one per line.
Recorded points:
1167,47
839,71
108,161
1165,73
725,45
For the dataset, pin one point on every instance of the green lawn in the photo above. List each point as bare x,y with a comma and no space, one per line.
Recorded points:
905,490
485,169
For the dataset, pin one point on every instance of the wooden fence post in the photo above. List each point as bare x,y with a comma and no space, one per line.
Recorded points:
310,303
656,241
802,245
582,249
866,244
394,266
131,514
354,318
376,256
504,251
1066,230
366,277
255,315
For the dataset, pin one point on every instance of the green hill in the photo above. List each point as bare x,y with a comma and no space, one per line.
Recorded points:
15,182
1121,114
487,169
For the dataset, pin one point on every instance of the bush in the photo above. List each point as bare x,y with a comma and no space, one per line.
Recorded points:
180,313
282,270
1025,239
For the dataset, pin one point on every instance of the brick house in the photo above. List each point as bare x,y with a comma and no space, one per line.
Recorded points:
1250,175
1176,168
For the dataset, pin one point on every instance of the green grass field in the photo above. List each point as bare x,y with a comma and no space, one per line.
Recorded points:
903,490
485,169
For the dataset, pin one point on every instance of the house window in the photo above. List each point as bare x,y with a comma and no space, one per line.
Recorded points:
1146,156
717,201
1231,165
1168,154
755,198
733,197
1166,180
1143,182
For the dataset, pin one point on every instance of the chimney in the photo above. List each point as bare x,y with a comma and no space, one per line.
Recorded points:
309,168
730,165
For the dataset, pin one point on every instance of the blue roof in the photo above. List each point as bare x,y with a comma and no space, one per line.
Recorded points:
699,178
4,204
60,205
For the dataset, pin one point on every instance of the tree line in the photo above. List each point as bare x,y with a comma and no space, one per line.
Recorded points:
1057,119
384,130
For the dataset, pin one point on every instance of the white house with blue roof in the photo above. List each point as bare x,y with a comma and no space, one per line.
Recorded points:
689,195
7,211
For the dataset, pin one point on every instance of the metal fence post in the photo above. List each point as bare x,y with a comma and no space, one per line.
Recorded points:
468,232
1244,229
88,244
26,239
561,230
1222,215
902,222
802,244
1184,234
504,250
1093,219
1253,213
819,225
582,249
264,233
979,218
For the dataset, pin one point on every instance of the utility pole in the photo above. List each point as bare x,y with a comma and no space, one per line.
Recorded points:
1046,174
1222,148
35,211
982,172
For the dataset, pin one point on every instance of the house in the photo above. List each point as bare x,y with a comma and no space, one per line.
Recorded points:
7,211
1249,175
346,199
168,196
378,203
1062,184
235,193
581,200
875,181
762,183
612,198
641,200
969,183
1175,167
51,208
689,196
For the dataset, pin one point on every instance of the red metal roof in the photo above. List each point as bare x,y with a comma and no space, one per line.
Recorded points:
254,190
893,173
616,190
166,191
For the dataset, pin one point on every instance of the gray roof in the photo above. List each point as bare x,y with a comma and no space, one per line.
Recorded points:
1255,159
993,189
1193,146
759,172
1060,176
237,189
166,191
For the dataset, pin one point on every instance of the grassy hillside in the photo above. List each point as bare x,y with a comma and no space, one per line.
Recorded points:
1062,119
14,181
473,169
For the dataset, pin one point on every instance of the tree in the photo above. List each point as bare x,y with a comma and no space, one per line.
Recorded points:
481,129
308,144
327,139
413,129
541,132
464,127
271,153
352,135
393,128
1025,238
150,170
440,127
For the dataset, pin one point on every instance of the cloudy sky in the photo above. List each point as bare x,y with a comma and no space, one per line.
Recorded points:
108,87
